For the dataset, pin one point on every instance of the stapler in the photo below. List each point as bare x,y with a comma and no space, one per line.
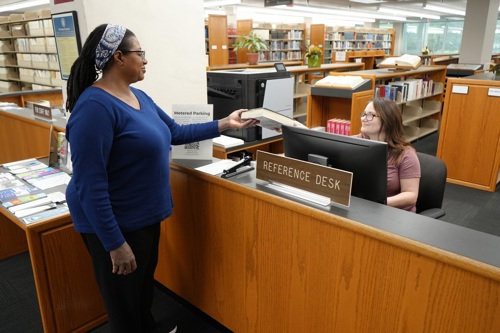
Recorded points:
241,167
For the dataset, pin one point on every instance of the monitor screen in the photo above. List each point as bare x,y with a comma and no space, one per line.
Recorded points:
366,159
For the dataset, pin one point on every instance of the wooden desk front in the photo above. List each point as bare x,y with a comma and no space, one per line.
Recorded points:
67,293
257,262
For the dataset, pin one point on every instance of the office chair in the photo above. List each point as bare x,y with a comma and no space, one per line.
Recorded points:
432,185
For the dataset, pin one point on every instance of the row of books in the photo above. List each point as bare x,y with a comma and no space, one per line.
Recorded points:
359,45
409,89
338,126
277,56
21,190
347,35
285,45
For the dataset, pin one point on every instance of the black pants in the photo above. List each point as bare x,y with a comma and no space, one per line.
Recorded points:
128,298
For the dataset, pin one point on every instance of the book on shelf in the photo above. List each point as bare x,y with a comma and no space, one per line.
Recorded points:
267,118
340,81
406,61
338,126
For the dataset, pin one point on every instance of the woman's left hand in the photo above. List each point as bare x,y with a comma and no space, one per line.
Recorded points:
234,121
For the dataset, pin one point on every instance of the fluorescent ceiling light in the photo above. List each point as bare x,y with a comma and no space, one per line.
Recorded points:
345,13
368,1
285,12
218,3
444,10
214,12
407,13
23,4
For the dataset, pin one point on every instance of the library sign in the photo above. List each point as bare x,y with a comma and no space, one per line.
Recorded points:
329,182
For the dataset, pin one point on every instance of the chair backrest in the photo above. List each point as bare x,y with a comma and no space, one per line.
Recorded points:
432,182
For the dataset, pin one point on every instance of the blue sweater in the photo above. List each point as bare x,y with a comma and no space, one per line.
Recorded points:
120,159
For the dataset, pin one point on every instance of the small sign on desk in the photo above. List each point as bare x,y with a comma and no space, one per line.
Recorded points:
332,183
42,112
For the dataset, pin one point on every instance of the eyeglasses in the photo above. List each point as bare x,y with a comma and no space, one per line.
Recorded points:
369,116
142,53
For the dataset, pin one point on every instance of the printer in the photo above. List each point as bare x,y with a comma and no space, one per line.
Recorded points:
230,90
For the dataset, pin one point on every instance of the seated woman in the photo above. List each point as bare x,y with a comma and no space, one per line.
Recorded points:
382,121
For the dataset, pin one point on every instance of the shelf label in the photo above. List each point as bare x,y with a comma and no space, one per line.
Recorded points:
214,47
224,47
494,92
459,89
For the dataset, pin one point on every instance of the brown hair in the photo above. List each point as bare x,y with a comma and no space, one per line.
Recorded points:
392,125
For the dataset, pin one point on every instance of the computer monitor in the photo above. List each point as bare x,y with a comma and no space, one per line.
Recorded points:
366,159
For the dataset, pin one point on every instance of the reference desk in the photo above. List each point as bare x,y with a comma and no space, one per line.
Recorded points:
258,261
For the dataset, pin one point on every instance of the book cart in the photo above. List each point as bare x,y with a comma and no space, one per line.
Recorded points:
421,115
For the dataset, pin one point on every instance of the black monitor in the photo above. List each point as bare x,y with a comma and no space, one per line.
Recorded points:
366,159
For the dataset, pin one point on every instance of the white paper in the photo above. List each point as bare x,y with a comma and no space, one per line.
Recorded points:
217,167
185,114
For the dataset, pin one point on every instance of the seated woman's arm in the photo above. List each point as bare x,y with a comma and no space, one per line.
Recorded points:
408,195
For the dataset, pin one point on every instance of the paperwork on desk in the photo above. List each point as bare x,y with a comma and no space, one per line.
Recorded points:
217,167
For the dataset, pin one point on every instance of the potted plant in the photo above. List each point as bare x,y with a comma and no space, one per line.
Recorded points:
495,69
253,43
313,56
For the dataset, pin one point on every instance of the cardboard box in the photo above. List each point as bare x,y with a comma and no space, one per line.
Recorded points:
18,30
16,17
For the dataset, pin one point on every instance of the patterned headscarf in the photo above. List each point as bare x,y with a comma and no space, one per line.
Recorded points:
110,40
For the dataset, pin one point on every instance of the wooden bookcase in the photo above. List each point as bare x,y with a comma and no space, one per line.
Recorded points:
421,116
469,138
217,40
364,43
28,53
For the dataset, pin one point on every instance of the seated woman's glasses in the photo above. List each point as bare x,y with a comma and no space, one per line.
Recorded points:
369,116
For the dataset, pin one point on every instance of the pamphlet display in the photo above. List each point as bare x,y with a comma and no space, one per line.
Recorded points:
21,190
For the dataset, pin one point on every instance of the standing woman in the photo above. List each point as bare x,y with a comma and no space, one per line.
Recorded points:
120,189
382,121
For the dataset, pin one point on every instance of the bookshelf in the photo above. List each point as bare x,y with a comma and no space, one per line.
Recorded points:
358,43
216,42
286,41
231,39
28,53
469,135
421,115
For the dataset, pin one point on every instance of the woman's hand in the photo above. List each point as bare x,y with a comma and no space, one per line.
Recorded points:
234,121
123,260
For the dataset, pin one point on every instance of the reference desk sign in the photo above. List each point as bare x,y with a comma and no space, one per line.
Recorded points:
42,112
329,182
